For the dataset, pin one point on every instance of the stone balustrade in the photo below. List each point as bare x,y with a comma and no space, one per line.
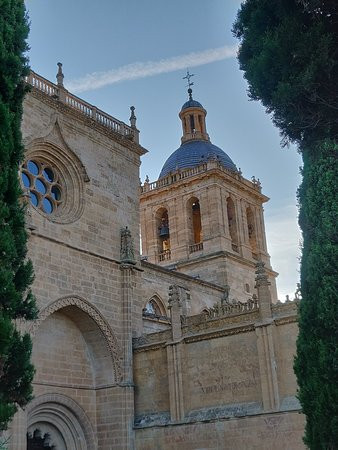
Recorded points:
164,256
76,103
196,247
180,174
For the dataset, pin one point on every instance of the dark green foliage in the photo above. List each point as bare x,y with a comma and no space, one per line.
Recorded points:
16,273
289,55
290,60
316,365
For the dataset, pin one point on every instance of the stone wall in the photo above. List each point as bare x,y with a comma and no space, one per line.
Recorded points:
230,379
82,338
278,431
156,281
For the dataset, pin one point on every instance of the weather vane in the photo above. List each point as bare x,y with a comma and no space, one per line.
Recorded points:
188,77
190,83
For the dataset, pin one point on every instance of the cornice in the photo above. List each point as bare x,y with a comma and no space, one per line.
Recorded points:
208,173
285,320
219,333
218,254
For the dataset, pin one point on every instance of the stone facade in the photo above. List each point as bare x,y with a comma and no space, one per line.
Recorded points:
186,351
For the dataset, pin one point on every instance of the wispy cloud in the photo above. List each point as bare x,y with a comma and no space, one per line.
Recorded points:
136,70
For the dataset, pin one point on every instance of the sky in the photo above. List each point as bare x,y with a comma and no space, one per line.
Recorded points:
121,53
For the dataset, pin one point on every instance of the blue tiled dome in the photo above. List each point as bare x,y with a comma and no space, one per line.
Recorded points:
191,104
194,153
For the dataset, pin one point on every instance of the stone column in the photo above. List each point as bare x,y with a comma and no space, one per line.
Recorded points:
265,329
174,356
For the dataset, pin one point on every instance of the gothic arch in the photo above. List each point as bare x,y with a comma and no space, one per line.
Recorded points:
63,419
55,138
53,151
157,303
93,313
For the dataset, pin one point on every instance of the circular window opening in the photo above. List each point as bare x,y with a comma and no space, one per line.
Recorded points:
44,185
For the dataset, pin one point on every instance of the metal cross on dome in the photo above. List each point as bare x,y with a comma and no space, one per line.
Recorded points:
188,77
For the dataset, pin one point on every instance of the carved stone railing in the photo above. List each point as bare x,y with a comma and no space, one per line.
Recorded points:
178,175
173,178
76,103
231,308
165,255
196,247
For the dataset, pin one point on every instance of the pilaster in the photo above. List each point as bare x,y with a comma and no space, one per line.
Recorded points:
174,357
265,343
128,282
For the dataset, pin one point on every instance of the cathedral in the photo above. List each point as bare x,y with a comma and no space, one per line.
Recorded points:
181,345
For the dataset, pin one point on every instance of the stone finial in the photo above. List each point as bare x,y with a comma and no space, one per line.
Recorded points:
174,296
175,307
132,117
261,275
256,182
60,76
127,247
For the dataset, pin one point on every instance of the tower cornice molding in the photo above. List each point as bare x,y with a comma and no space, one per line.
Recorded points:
181,178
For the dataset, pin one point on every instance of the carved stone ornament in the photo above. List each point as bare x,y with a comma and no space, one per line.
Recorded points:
111,341
227,308
261,275
174,296
127,247
225,296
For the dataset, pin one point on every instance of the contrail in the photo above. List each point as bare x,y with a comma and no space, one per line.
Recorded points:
136,70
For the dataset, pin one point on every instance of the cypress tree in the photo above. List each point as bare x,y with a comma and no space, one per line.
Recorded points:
289,55
16,272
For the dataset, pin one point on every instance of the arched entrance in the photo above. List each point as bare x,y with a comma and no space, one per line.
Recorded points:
56,422
75,354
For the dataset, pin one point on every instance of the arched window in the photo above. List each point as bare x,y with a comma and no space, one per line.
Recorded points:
252,231
163,234
232,222
195,224
154,308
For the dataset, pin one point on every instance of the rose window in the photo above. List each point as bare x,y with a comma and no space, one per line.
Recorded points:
43,184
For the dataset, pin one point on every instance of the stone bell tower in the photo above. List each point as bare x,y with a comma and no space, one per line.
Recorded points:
201,216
